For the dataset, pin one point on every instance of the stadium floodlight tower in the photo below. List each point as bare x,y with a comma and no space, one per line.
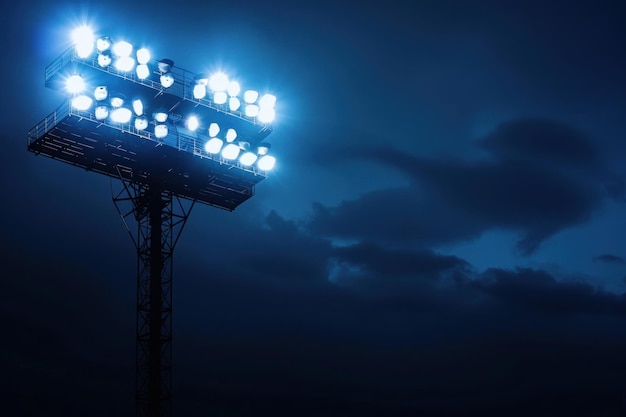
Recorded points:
172,138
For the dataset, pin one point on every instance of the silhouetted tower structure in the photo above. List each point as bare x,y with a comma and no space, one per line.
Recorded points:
173,139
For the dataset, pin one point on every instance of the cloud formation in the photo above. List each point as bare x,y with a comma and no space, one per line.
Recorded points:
540,177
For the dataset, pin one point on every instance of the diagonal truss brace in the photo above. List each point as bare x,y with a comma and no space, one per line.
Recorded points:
159,217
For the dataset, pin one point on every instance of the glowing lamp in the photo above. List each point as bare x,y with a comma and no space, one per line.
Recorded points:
143,56
141,123
218,82
250,96
220,97
100,93
214,129
101,112
83,39
142,71
82,102
213,145
121,115
160,131
266,162
75,84
230,151
248,158
231,135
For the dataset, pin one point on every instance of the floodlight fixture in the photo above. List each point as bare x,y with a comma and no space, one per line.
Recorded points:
160,116
83,39
220,97
192,123
252,110
138,107
165,65
160,131
82,102
250,96
75,84
100,92
167,80
101,112
143,56
234,104
233,88
266,162
231,151
141,123
263,148
214,129
231,135
218,81
267,100
105,59
167,146
117,99
265,114
199,91
122,48
248,158
142,71
213,145
125,63
103,44
121,115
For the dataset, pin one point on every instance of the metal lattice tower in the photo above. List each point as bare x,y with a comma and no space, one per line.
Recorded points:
161,178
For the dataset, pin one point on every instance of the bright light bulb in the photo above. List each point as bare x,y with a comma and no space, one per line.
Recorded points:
75,84
267,100
83,39
250,96
138,107
218,81
100,92
266,115
160,131
248,158
102,112
122,48
160,116
125,63
231,135
233,88
199,91
214,145
167,80
143,55
266,162
192,123
143,71
121,115
103,44
104,60
82,102
220,97
141,123
214,129
252,110
234,104
231,151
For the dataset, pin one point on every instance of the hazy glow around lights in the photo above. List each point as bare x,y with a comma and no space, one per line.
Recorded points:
75,84
266,162
122,48
83,39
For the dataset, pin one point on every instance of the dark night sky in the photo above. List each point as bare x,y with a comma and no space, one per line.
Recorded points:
443,235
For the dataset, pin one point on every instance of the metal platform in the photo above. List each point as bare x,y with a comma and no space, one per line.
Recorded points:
177,163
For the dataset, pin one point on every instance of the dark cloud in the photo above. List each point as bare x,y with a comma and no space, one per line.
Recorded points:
610,258
534,183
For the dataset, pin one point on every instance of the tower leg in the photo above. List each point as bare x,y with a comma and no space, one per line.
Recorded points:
160,218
